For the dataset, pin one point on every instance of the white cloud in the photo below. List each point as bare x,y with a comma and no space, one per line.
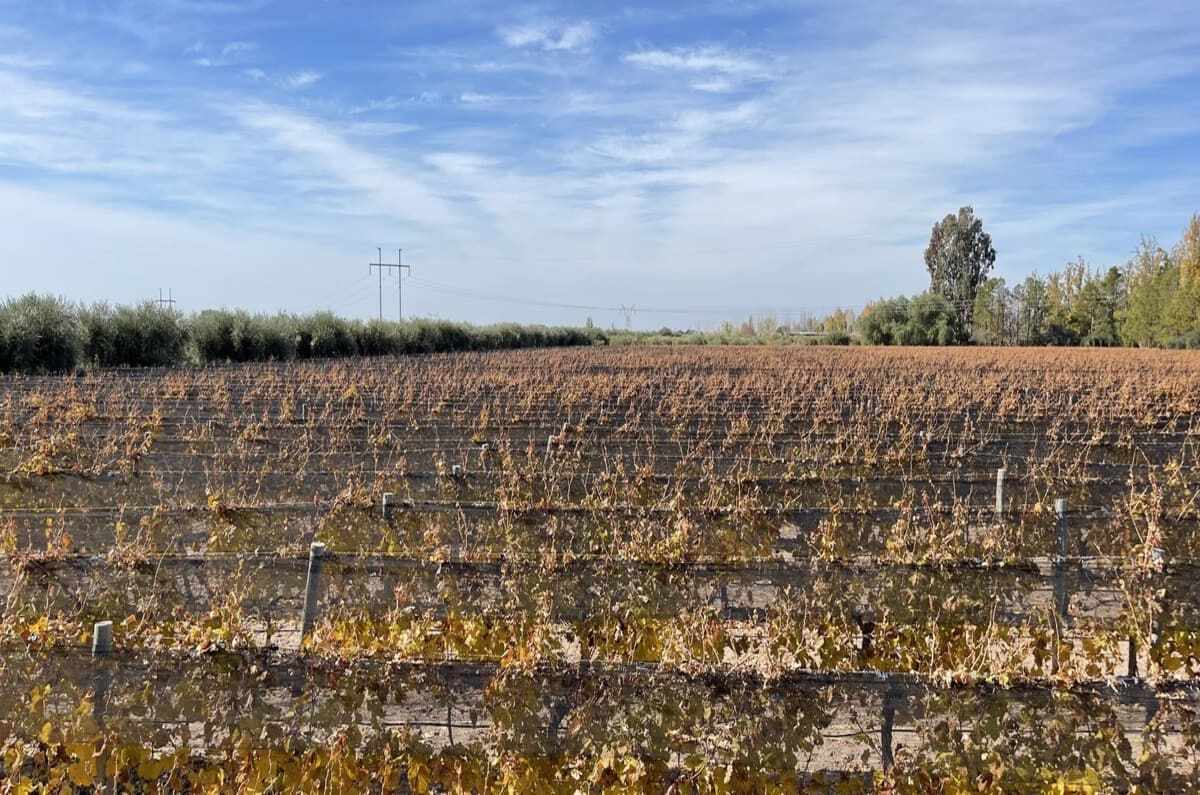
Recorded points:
328,159
682,139
387,103
460,163
810,171
718,85
379,129
235,48
302,79
548,36
234,52
26,98
474,98
490,100
703,59
14,60
214,264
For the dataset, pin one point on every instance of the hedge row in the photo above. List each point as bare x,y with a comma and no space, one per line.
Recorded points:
46,334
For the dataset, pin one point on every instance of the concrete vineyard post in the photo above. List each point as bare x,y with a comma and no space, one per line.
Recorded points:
311,588
1061,597
102,646
1000,473
388,503
1064,541
102,639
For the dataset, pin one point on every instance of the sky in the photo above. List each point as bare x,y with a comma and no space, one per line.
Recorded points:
553,162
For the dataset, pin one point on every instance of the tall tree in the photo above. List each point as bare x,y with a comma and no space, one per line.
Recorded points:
1183,310
1187,252
959,257
1093,315
993,318
1152,280
1032,310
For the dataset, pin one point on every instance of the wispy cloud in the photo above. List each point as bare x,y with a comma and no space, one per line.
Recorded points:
233,53
682,139
25,97
14,60
379,129
460,163
702,59
829,140
387,103
302,79
475,98
549,36
393,188
718,85
484,100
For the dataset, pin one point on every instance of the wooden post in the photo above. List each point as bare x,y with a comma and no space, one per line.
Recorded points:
886,727
558,713
867,627
315,554
1000,473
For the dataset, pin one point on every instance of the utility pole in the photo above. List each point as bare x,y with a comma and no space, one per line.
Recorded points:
400,267
380,266
168,301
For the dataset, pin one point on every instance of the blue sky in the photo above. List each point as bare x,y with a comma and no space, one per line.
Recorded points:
546,162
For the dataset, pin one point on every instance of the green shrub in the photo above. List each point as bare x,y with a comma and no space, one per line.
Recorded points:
1190,340
324,335
836,338
928,319
43,334
222,335
143,336
881,322
377,338
38,334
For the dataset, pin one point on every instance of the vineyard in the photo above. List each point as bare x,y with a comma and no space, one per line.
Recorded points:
686,570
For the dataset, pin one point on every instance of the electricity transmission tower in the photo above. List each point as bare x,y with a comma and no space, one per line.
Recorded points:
628,312
168,301
400,267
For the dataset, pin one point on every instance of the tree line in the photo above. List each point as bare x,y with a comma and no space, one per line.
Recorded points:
1151,300
40,333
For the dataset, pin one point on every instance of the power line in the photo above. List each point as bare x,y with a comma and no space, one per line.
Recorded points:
347,288
353,297
628,310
